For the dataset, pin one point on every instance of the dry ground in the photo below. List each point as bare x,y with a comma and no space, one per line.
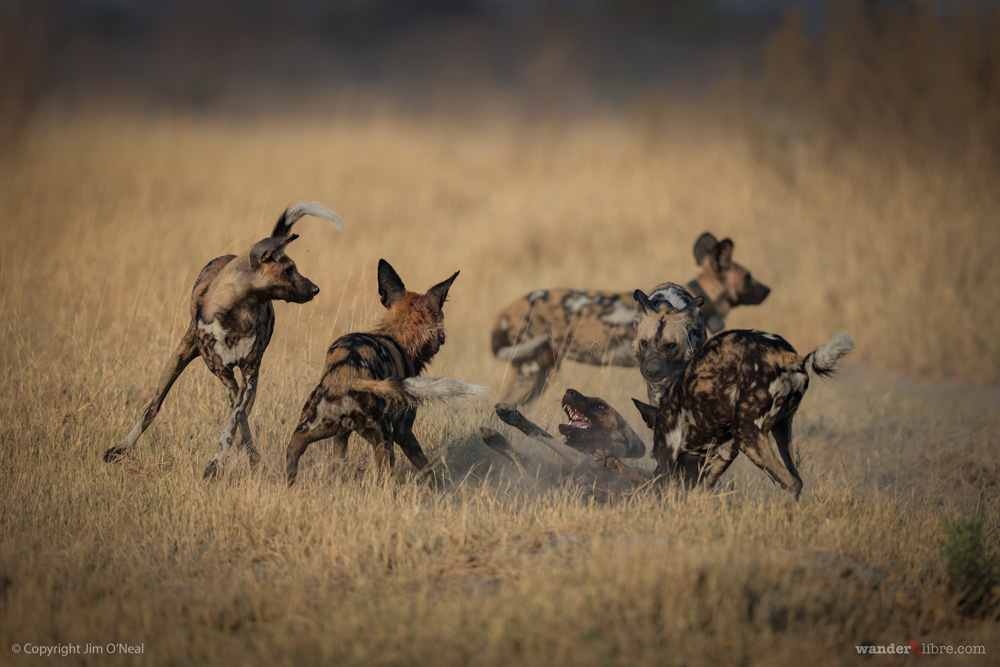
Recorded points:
109,217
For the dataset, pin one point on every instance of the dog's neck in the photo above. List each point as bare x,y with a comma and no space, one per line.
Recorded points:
710,311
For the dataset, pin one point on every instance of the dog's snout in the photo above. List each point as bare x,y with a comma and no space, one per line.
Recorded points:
315,290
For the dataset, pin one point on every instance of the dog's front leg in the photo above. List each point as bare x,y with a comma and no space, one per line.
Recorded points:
247,441
246,397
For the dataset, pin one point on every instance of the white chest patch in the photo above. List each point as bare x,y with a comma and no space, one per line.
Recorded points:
228,355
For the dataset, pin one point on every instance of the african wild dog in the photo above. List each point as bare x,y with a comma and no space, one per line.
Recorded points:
369,384
740,386
668,329
594,425
539,331
231,324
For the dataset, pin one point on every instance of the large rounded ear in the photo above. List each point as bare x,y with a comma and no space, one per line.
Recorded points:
703,247
390,285
647,411
643,306
267,249
437,294
724,255
692,310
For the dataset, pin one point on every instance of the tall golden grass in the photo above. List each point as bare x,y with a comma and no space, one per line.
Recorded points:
110,215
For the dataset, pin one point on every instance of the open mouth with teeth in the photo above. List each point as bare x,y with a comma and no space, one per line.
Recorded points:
576,418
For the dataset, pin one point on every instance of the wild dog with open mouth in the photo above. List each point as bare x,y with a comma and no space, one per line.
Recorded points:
369,384
594,425
740,386
231,324
539,331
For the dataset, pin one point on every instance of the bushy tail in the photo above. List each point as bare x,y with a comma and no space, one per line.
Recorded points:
302,209
417,390
822,362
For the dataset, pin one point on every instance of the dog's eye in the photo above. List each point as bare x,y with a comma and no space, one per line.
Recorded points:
644,343
288,270
671,346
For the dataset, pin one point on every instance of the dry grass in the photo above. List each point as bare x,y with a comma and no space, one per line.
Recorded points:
111,215
110,220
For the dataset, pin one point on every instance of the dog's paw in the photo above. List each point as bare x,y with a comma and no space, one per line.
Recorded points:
212,472
112,455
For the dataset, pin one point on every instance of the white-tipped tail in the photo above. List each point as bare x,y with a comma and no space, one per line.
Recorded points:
448,390
822,361
315,209
416,390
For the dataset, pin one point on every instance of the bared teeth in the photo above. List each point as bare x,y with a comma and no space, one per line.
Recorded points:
576,419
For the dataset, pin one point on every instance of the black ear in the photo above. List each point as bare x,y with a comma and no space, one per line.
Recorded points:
642,303
390,285
647,411
724,255
437,294
266,249
703,247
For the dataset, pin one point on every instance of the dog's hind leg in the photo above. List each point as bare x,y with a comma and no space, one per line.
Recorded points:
301,439
782,431
531,375
757,446
185,353
236,417
379,437
402,435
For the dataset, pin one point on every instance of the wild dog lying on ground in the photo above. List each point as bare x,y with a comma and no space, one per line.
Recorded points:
231,324
594,425
539,331
740,386
593,475
369,385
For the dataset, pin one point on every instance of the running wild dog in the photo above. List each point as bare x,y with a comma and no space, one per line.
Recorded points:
231,324
740,386
369,385
542,329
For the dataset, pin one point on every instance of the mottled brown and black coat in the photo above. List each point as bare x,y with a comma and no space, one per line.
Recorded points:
370,385
740,386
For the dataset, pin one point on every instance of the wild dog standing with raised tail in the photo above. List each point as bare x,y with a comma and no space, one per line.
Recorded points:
369,384
740,386
231,324
539,331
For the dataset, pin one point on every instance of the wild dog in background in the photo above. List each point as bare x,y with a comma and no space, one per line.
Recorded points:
539,331
369,384
740,386
231,324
